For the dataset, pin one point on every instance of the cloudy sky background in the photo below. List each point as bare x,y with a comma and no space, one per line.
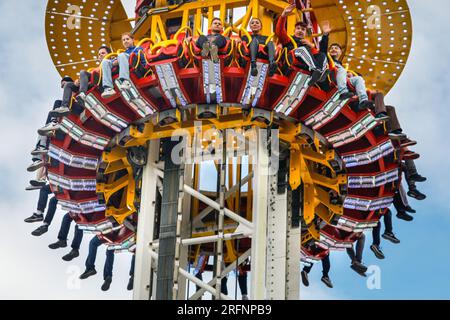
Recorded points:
415,269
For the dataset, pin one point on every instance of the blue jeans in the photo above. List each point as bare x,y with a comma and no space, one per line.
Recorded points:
42,204
64,232
357,256
358,82
90,261
387,228
124,70
133,262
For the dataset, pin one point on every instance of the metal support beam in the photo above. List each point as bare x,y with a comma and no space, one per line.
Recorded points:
168,223
145,227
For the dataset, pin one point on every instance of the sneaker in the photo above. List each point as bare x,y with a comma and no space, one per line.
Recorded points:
40,231
315,76
107,284
364,105
359,268
254,69
383,117
410,155
396,135
391,237
80,100
402,215
407,143
125,85
39,151
409,209
417,178
214,52
273,66
35,165
38,183
377,251
244,297
327,282
416,194
61,111
130,284
49,128
81,96
71,255
346,95
108,93
205,49
31,188
58,244
305,280
87,273
36,217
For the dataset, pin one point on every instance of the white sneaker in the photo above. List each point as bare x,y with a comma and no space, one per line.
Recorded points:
35,165
82,96
48,129
62,111
109,92
40,150
125,85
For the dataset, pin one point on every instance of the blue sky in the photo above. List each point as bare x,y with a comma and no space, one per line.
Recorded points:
415,269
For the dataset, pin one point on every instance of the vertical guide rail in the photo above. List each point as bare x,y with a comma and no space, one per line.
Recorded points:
168,225
222,189
144,266
260,159
293,249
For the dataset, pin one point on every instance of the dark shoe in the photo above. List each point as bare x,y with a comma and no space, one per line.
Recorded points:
71,255
254,69
36,165
409,209
58,244
346,95
407,143
130,284
305,280
31,188
402,215
273,66
377,251
106,284
396,135
40,231
327,282
382,117
35,218
315,76
88,273
416,194
358,270
390,237
38,183
410,155
214,52
364,105
417,178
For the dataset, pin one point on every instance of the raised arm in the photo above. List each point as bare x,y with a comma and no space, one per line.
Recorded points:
280,29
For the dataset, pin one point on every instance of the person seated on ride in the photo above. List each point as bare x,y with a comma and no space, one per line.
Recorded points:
342,75
254,45
124,66
306,53
213,42
81,85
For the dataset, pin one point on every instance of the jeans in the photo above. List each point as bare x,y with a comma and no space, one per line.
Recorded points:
69,89
254,49
64,232
400,199
326,266
133,262
359,249
357,82
90,261
242,280
42,204
219,40
124,70
85,77
387,228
